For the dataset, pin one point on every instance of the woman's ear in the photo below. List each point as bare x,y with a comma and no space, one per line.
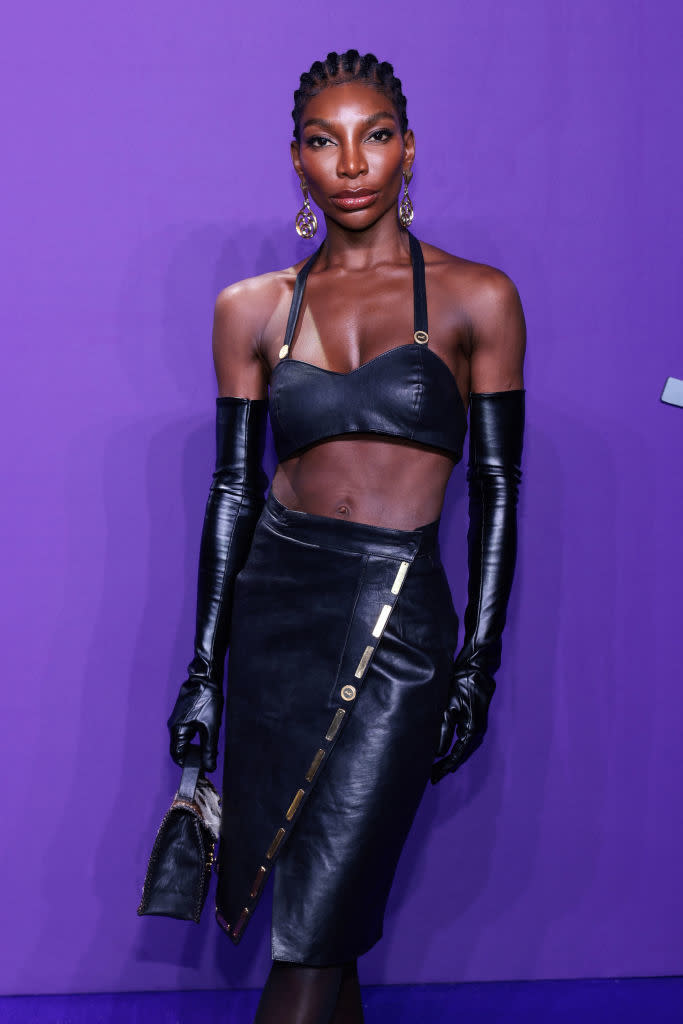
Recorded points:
408,153
296,159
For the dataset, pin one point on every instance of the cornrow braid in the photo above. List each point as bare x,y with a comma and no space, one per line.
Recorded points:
337,69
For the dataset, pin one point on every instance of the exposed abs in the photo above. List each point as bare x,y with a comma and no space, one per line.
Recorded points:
366,479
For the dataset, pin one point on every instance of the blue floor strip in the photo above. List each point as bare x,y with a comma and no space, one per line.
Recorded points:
584,1001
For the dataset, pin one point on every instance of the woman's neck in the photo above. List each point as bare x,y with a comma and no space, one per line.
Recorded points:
383,242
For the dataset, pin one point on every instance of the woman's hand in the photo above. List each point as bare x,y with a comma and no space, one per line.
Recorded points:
198,709
467,712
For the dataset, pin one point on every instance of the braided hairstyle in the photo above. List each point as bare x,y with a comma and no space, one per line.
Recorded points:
337,69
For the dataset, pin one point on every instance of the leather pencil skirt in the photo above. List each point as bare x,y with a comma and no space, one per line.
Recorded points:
342,642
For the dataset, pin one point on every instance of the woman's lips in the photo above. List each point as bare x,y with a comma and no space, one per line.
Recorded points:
354,200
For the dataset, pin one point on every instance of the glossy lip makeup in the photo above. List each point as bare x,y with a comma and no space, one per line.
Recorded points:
354,199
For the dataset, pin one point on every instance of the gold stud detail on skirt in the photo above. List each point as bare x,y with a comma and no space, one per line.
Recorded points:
222,922
335,725
382,620
275,845
348,692
363,663
258,882
243,918
400,576
315,764
294,806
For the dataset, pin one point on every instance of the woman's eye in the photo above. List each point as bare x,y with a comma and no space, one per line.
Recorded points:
382,135
318,141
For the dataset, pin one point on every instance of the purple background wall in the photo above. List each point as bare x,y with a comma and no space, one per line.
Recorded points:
145,166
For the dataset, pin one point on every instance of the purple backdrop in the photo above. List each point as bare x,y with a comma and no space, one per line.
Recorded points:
145,166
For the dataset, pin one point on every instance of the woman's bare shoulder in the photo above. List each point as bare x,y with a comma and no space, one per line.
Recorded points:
487,300
243,315
479,281
247,311
245,308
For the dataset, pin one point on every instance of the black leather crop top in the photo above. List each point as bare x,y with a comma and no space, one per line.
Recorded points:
407,391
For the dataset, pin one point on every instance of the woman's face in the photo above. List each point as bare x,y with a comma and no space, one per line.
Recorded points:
352,153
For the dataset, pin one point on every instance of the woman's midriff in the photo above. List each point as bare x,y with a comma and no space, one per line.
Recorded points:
367,479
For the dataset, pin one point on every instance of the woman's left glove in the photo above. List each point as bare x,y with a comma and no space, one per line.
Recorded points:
232,510
496,432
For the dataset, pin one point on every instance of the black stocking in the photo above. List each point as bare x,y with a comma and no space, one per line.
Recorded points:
295,994
349,1008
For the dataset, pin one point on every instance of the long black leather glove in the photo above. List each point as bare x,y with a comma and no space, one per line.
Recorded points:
496,431
232,510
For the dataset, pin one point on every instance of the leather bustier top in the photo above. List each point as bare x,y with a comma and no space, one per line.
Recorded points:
407,391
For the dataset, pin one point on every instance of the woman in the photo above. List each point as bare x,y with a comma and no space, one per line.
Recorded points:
342,686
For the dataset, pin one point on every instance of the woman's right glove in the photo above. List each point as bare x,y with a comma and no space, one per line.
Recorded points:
496,432
232,510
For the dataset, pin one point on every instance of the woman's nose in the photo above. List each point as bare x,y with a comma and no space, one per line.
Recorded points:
351,162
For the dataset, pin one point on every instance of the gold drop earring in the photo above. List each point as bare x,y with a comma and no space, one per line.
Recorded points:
406,211
306,222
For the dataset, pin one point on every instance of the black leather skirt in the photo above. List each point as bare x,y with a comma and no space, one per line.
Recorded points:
342,642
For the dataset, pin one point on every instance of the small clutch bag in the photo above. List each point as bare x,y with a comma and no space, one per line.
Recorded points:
179,869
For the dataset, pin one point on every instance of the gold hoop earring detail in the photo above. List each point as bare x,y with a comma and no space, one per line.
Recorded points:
406,211
306,222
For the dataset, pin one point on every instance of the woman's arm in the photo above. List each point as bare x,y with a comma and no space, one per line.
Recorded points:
496,430
498,335
239,320
234,504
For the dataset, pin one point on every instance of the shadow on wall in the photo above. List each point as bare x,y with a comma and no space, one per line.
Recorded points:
150,480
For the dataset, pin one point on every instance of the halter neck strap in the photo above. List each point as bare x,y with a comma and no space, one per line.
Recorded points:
421,325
